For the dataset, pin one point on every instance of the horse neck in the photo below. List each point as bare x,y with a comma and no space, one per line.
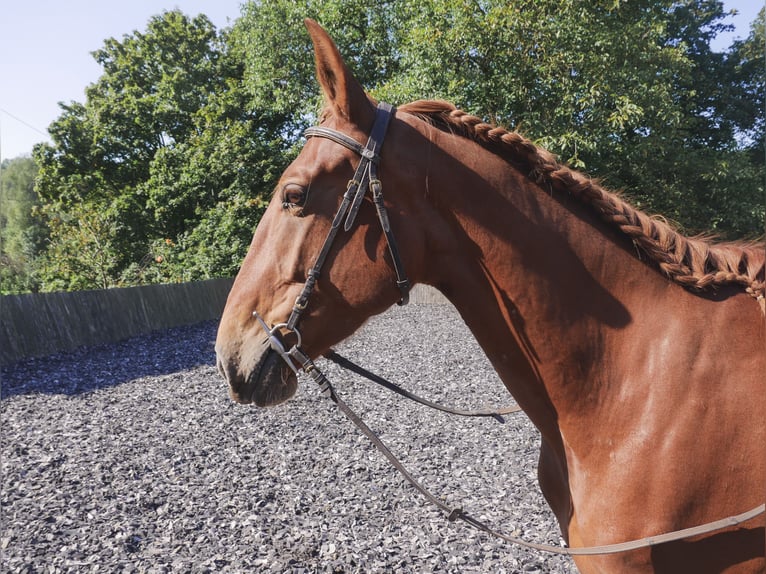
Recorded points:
521,268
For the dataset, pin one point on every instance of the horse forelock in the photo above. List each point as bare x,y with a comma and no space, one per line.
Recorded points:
698,263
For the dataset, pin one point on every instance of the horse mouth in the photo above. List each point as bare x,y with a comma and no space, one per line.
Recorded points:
270,383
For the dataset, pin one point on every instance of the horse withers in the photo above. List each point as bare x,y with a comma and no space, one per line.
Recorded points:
638,353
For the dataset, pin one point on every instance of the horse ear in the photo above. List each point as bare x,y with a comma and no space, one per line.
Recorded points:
341,89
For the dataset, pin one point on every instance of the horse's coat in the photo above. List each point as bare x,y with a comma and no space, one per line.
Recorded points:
639,354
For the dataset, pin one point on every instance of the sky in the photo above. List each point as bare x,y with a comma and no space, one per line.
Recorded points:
46,45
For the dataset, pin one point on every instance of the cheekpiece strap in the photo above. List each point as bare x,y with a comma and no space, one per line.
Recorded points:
365,177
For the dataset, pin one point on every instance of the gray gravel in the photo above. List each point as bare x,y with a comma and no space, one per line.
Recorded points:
131,458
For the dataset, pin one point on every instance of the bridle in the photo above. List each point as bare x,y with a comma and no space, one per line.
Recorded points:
365,178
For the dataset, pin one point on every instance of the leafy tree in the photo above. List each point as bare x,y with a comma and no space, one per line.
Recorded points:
82,253
163,172
280,67
629,91
21,233
748,62
166,142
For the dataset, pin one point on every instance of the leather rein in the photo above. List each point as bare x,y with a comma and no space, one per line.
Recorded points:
297,360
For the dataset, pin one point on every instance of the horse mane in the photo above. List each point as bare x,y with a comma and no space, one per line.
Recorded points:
697,263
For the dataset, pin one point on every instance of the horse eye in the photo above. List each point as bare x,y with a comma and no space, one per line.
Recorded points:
293,196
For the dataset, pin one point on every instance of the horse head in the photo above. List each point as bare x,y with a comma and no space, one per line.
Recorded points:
352,275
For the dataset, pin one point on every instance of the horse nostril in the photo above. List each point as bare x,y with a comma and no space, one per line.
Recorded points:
226,370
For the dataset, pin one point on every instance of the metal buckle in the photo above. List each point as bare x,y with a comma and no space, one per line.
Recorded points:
276,344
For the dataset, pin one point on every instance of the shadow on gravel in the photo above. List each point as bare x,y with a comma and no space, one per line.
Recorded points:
90,368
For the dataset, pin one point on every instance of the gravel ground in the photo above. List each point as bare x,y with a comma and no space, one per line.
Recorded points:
131,458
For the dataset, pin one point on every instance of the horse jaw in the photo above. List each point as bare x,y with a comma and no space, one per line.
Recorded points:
256,375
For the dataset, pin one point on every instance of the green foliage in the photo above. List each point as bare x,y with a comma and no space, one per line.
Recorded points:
279,57
628,91
165,149
164,171
747,83
83,249
21,233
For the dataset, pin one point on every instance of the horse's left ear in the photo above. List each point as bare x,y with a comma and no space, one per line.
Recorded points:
341,89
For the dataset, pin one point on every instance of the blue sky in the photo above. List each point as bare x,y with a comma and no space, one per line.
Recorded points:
46,50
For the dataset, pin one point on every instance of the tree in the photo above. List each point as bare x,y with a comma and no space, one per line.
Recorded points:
82,253
164,171
279,71
629,91
21,233
747,168
166,142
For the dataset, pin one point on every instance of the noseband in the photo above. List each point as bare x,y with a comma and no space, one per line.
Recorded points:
365,177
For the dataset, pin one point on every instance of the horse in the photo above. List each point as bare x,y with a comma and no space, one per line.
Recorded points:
638,353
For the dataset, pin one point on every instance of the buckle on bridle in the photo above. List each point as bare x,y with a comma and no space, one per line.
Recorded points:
276,344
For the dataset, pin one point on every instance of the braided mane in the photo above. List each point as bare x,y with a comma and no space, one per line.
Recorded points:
696,263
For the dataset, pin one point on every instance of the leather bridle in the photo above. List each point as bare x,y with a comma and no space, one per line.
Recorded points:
365,178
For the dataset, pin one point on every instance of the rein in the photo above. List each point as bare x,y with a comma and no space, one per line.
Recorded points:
349,365
453,514
297,360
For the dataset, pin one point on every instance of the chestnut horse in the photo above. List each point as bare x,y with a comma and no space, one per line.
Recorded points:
638,353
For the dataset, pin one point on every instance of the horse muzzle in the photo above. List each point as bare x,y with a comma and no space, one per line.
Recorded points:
259,376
